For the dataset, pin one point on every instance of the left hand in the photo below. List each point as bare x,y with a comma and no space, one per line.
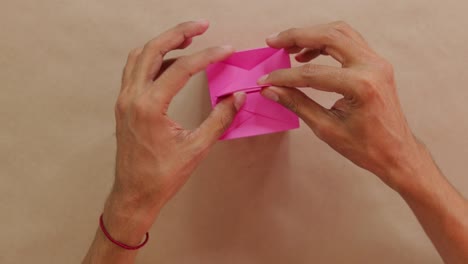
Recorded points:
366,125
155,156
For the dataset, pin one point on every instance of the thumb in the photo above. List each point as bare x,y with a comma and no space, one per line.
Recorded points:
219,119
298,102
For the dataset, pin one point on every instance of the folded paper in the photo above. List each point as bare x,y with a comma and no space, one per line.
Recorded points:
240,72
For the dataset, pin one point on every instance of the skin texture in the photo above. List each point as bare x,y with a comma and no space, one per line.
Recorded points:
368,127
155,156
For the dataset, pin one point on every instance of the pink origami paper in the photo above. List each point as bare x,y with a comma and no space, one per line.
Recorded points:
240,72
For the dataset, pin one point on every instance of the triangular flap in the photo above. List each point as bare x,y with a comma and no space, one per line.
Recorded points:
260,116
250,58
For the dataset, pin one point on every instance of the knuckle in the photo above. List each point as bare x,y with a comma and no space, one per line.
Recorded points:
224,122
341,25
292,103
332,35
367,87
183,135
154,43
120,107
382,71
225,113
291,33
308,70
369,94
367,81
134,53
182,65
336,31
310,73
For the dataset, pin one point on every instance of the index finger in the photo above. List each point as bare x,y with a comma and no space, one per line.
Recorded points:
320,77
332,39
153,53
178,74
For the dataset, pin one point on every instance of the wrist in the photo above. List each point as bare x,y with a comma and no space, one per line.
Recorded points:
127,220
408,168
415,172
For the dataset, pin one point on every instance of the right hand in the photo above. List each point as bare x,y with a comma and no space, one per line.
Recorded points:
367,125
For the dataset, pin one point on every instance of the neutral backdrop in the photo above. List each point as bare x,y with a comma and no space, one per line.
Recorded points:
280,198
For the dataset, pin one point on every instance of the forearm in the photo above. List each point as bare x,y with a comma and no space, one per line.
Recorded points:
439,207
103,251
126,223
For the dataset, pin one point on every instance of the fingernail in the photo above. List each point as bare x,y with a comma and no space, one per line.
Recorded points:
239,99
270,95
262,79
272,36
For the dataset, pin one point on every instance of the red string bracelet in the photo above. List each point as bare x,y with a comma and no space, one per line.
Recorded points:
120,244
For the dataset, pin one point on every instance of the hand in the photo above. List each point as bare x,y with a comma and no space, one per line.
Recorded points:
367,125
155,156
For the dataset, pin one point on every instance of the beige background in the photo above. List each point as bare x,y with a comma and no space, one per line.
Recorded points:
281,198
